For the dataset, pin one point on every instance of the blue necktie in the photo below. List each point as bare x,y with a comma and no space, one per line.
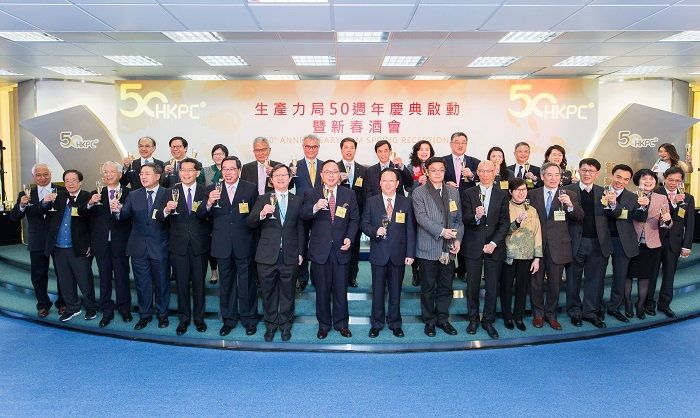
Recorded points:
283,207
150,202
189,200
548,203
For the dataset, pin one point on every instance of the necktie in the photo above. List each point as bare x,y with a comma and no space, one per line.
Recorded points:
548,203
111,194
312,172
439,191
231,193
348,169
150,202
331,204
189,200
458,168
146,161
520,172
71,201
283,207
389,207
262,178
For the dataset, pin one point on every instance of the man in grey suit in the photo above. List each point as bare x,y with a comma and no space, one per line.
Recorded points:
437,209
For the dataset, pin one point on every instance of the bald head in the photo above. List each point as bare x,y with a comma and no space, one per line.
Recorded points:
486,172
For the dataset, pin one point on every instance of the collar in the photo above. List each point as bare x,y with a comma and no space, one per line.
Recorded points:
314,161
154,190
284,193
454,157
260,164
484,189
668,192
583,186
232,185
151,159
393,198
349,163
192,186
554,190
333,189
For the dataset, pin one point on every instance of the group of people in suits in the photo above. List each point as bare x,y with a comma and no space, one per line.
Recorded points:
517,228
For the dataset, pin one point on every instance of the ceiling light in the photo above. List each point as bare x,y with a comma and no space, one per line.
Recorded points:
642,69
582,61
356,77
71,70
287,1
695,73
313,60
8,72
278,77
30,37
687,36
194,36
509,77
403,61
205,77
363,36
529,37
133,60
431,77
493,61
224,60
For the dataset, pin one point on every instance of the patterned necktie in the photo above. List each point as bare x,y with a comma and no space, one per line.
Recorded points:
548,203
189,200
348,169
389,207
331,204
111,194
150,202
312,172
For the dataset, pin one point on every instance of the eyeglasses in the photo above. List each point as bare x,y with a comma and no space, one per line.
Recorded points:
279,176
260,149
229,169
587,170
176,146
188,170
437,170
218,154
311,146
459,142
336,172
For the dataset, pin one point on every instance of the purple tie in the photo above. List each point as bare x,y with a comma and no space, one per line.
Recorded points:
189,199
111,194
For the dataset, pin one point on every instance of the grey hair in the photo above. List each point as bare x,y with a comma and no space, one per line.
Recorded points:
261,139
37,165
548,164
153,141
114,164
312,137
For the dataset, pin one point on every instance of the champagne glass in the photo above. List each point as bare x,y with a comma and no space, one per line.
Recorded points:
194,154
273,202
393,157
607,191
526,204
662,211
176,195
131,165
53,192
27,191
681,190
482,198
118,194
98,186
218,186
423,169
464,165
326,194
294,165
527,167
385,223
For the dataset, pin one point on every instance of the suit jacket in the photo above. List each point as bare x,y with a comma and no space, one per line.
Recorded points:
680,234
79,225
400,240
555,234
131,178
38,219
430,220
189,234
450,175
492,227
625,227
533,169
601,221
374,176
230,235
274,236
327,236
249,172
652,225
102,223
302,181
149,237
360,172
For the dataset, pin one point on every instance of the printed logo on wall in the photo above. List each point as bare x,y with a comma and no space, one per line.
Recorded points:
70,140
154,104
628,139
545,105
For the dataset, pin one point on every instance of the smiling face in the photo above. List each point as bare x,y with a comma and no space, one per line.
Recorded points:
72,182
261,151
281,179
178,149
486,172
348,151
663,154
148,176
496,157
551,177
389,182
556,157
111,175
436,172
383,154
672,181
588,174
620,179
146,148
42,176
647,183
311,147
458,145
423,152
230,171
519,195
188,174
522,154
330,175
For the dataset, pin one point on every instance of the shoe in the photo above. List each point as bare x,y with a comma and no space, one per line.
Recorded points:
488,327
200,326
163,322
251,330
650,310
668,312
322,334
576,322
105,321
126,317
538,322
353,282
595,321
640,313
142,323
345,332
214,279
66,316
471,328
286,335
554,324
508,323
520,324
269,335
373,332
448,328
61,309
43,313
429,330
600,315
398,332
90,314
617,315
225,330
416,279
182,328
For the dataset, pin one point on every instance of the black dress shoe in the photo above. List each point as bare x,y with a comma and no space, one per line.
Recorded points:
471,328
163,322
488,327
353,282
508,323
668,312
373,332
345,332
225,330
595,322
640,314
600,315
142,323
629,313
398,332
650,310
200,326
251,330
322,334
617,315
576,322
286,334
269,335
126,317
520,324
182,328
429,330
105,321
448,328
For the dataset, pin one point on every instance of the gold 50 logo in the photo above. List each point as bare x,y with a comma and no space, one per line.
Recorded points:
545,105
154,104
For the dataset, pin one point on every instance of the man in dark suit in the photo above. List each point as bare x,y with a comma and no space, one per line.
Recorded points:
306,175
232,245
178,150
352,176
258,171
625,244
35,207
522,168
189,244
132,167
676,241
388,220
68,239
590,245
384,154
486,222
556,209
148,245
279,251
334,218
108,238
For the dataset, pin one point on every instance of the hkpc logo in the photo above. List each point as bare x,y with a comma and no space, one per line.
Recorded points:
68,140
627,139
545,105
154,104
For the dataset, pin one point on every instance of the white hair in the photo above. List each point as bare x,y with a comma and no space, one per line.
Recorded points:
261,139
113,164
38,165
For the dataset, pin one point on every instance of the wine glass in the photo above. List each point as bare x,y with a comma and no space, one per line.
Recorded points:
273,202
176,195
681,190
53,192
326,194
294,165
27,191
218,186
527,167
526,204
131,165
118,194
385,223
393,157
464,165
98,186
194,154
482,198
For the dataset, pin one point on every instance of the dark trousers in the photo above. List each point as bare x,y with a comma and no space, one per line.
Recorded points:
331,293
238,296
114,266
461,268
75,272
435,290
277,282
189,272
40,280
518,273
391,277
152,278
620,266
588,262
492,273
554,271
303,273
353,267
212,263
668,266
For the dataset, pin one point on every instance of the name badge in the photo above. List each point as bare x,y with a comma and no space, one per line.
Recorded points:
358,182
623,214
154,213
453,206
243,207
559,215
529,183
681,212
400,218
195,205
74,212
340,211
504,184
